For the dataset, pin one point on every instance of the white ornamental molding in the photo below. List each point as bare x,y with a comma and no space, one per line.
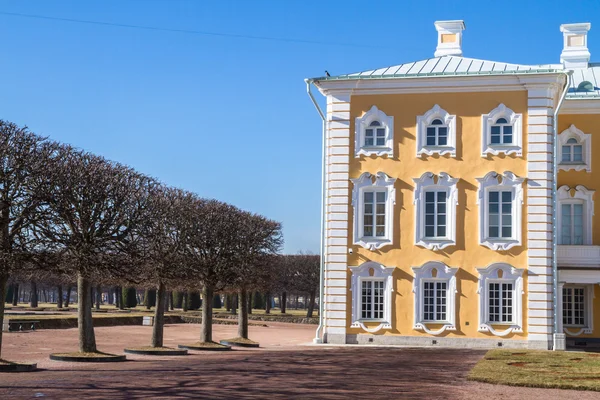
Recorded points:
441,182
495,181
360,127
376,272
583,139
488,120
424,121
366,182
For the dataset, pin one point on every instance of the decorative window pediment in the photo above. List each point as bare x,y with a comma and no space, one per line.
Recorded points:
374,134
500,200
372,287
500,290
436,133
502,132
435,291
574,150
436,198
575,215
373,199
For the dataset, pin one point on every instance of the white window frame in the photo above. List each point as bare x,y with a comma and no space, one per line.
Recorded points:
365,272
365,182
360,127
579,195
443,273
585,140
494,181
488,120
576,330
441,182
424,121
508,274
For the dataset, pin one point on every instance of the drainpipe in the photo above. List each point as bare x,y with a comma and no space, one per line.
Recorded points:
555,293
319,333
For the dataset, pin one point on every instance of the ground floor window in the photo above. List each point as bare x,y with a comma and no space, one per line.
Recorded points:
574,306
372,299
434,301
500,302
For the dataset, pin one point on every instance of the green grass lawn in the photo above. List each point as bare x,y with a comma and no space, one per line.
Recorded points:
544,369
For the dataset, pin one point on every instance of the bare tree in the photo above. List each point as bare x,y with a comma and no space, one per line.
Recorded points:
26,163
93,206
306,270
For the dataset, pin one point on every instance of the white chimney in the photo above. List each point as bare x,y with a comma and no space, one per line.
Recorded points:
449,38
575,52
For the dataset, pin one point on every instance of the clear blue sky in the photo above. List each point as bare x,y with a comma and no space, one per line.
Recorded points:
228,117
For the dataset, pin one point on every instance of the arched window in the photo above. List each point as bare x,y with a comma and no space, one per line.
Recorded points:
572,152
436,133
501,132
575,215
375,135
575,150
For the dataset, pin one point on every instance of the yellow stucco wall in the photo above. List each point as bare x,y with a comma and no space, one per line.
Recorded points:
468,165
587,123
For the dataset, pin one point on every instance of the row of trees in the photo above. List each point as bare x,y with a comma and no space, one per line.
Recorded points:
69,215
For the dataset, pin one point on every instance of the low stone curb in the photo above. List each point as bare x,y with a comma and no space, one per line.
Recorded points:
149,352
115,358
18,367
200,348
239,344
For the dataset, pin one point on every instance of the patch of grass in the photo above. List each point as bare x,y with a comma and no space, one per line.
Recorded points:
208,345
544,369
150,348
78,354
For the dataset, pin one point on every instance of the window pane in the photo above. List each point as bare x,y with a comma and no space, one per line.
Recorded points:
506,232
375,123
506,197
507,139
495,130
493,232
494,196
495,139
577,153
368,197
572,140
494,220
437,122
380,197
441,231
501,121
443,141
430,136
429,196
566,153
430,230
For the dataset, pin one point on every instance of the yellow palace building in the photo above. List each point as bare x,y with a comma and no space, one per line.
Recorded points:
459,204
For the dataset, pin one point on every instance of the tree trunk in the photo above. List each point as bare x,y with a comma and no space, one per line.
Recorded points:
159,316
184,303
120,298
228,302
267,303
207,314
3,282
234,300
170,298
98,296
250,299
15,299
87,339
243,317
33,298
68,297
59,297
283,301
311,304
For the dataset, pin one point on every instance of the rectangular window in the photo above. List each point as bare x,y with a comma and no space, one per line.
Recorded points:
372,299
500,302
434,301
374,214
571,224
500,214
435,214
574,306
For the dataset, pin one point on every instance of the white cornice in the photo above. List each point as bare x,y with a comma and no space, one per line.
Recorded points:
580,106
437,84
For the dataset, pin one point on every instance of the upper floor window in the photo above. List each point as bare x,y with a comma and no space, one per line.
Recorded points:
372,288
435,219
436,132
373,199
502,132
500,299
575,150
434,287
374,134
500,200
575,214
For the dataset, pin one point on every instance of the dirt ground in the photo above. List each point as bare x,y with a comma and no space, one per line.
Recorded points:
283,368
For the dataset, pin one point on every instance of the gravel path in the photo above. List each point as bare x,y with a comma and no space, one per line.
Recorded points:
282,369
